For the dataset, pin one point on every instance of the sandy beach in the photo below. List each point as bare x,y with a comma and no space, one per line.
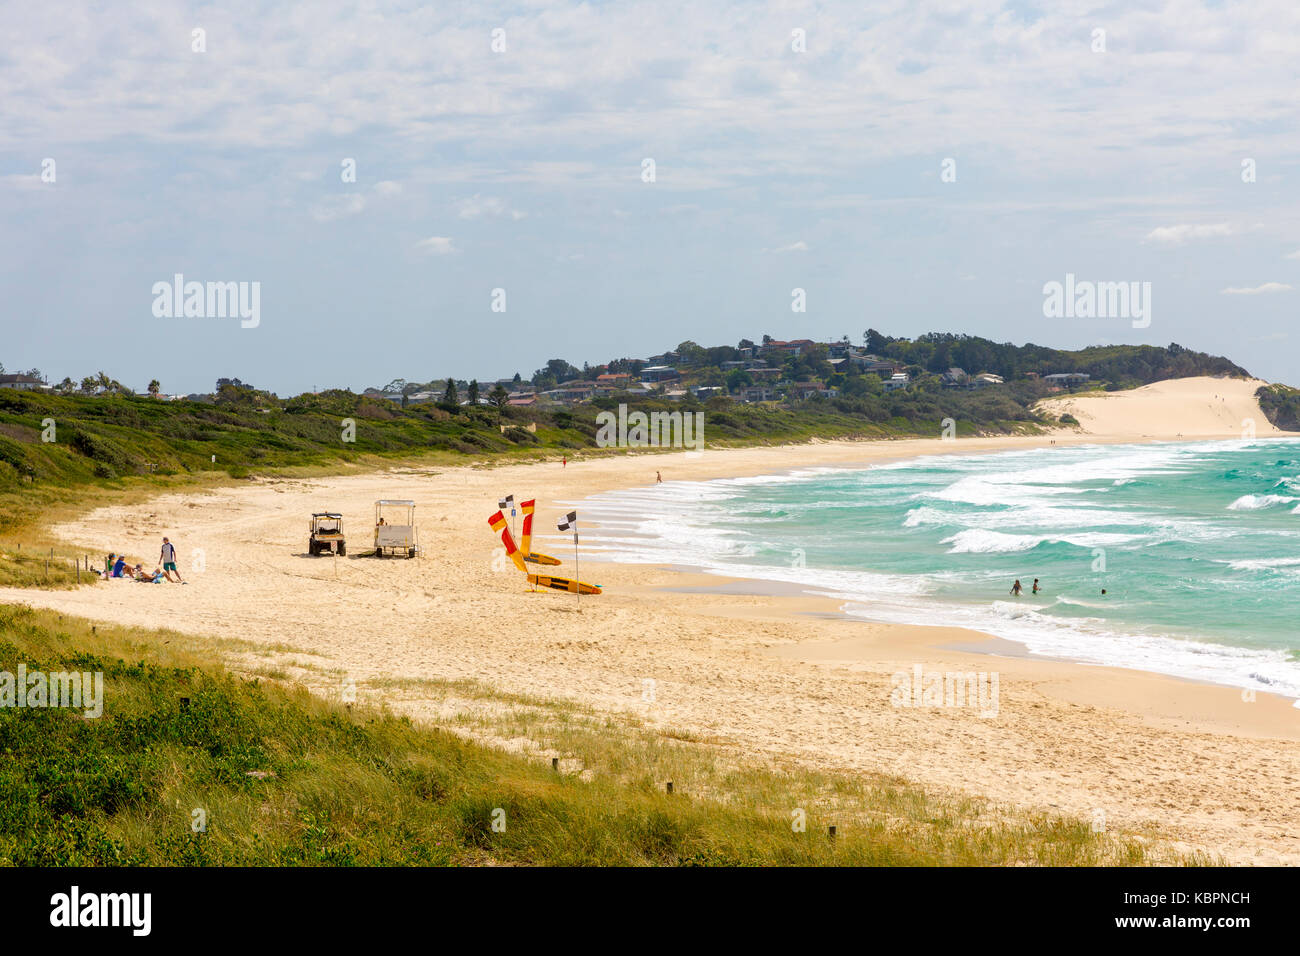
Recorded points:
777,674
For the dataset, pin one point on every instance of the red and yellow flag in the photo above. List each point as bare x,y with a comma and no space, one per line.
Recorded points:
499,523
526,539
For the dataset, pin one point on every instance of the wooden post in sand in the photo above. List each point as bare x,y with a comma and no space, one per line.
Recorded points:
832,834
555,764
670,786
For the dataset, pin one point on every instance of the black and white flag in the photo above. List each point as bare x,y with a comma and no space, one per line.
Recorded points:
506,502
569,521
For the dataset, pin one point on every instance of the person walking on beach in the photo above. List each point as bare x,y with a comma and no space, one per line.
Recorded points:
1016,589
1035,591
168,559
659,479
564,462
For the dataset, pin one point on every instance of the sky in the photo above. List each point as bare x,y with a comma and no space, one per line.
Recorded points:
420,190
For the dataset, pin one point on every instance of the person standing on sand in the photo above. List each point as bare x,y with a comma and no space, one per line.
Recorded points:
564,462
168,559
659,479
1016,589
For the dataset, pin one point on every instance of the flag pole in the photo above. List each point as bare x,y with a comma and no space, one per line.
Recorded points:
577,579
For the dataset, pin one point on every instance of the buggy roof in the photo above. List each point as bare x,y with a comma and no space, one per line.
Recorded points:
395,501
326,514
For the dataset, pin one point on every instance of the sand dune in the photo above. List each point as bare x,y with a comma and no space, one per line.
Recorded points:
1201,407
771,675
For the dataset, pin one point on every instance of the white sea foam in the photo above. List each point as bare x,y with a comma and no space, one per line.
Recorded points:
982,541
1259,502
1001,504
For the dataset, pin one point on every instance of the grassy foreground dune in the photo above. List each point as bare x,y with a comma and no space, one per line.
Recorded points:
282,777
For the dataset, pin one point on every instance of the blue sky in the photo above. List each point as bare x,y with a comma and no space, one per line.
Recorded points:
521,170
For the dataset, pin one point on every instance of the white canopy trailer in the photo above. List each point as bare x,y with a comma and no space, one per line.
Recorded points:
395,531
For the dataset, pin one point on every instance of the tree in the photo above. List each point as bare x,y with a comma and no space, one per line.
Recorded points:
67,386
154,388
449,397
738,379
472,392
88,385
499,396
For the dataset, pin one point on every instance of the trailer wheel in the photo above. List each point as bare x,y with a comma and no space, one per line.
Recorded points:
343,548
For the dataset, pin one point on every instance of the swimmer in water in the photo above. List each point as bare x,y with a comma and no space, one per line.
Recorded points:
1016,589
1035,585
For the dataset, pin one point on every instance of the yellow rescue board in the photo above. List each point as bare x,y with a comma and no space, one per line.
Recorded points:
536,558
562,584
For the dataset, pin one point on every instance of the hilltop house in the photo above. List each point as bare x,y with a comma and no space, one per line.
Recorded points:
23,383
801,390
659,373
1067,378
790,349
896,381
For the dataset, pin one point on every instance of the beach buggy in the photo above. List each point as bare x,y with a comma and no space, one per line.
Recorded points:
395,531
326,534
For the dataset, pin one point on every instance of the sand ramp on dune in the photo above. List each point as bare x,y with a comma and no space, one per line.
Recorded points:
1201,407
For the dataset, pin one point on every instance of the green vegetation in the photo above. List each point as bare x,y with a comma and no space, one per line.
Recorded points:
65,440
285,778
1281,406
63,450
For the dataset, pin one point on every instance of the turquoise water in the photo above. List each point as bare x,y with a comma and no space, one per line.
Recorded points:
1197,545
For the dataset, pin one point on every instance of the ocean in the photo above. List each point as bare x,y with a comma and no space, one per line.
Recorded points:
1197,545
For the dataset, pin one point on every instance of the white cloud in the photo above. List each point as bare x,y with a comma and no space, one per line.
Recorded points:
718,82
339,207
388,188
23,181
1293,255
486,207
799,246
436,246
1177,235
1267,287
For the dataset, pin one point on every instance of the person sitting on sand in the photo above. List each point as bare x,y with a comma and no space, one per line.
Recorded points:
1016,589
108,565
119,569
